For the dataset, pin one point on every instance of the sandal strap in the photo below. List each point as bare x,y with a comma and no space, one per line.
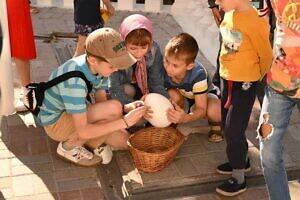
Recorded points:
215,132
214,123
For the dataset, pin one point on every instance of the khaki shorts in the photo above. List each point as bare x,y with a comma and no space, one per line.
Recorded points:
63,128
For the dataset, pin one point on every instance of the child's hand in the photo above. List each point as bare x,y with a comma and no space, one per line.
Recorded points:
131,106
143,97
148,114
135,115
111,10
176,115
109,7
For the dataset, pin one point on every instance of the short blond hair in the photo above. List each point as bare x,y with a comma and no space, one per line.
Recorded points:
182,46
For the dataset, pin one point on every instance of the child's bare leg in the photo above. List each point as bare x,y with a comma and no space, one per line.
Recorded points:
214,118
118,139
105,112
176,97
80,46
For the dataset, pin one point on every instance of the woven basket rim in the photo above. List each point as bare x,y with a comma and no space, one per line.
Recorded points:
180,141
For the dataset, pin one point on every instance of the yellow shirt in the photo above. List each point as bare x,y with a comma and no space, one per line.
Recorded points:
246,53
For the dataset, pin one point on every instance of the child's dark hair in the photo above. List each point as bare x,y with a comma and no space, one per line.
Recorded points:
139,37
183,46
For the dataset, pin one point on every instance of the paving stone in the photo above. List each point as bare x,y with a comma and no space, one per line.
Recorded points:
5,168
255,193
5,182
7,193
160,178
38,146
59,163
124,157
46,196
14,120
92,193
83,183
19,182
61,175
43,183
5,154
31,159
74,195
186,150
52,145
207,163
295,156
186,167
40,167
193,139
36,168
294,134
295,189
3,146
21,170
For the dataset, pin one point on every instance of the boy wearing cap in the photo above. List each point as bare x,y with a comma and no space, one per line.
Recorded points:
67,118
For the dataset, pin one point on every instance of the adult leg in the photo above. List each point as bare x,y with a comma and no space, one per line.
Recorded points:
23,68
80,46
274,120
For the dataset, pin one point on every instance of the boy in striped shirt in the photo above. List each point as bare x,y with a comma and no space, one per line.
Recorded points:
65,114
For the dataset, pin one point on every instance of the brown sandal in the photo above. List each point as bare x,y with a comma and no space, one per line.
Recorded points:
215,135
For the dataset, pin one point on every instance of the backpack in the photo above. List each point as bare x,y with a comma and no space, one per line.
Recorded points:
33,99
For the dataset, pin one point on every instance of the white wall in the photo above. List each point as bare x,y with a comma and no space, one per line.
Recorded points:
196,18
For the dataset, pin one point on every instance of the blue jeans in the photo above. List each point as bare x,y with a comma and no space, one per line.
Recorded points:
278,108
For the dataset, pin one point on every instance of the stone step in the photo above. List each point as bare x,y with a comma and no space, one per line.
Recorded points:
192,172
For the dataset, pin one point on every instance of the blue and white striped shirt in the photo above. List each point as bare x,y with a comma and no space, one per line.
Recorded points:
70,95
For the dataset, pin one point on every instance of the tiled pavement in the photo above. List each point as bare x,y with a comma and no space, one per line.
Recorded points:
30,169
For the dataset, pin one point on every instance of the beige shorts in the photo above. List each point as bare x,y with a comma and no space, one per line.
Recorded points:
63,128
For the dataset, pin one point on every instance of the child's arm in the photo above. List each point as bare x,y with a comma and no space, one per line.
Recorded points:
109,7
100,96
177,115
261,43
156,73
87,129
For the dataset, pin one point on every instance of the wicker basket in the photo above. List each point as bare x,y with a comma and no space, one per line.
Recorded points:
153,148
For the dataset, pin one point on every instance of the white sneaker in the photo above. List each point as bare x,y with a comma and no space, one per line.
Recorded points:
19,106
105,153
79,156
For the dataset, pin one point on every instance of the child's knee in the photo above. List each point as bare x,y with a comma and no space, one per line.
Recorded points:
116,108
